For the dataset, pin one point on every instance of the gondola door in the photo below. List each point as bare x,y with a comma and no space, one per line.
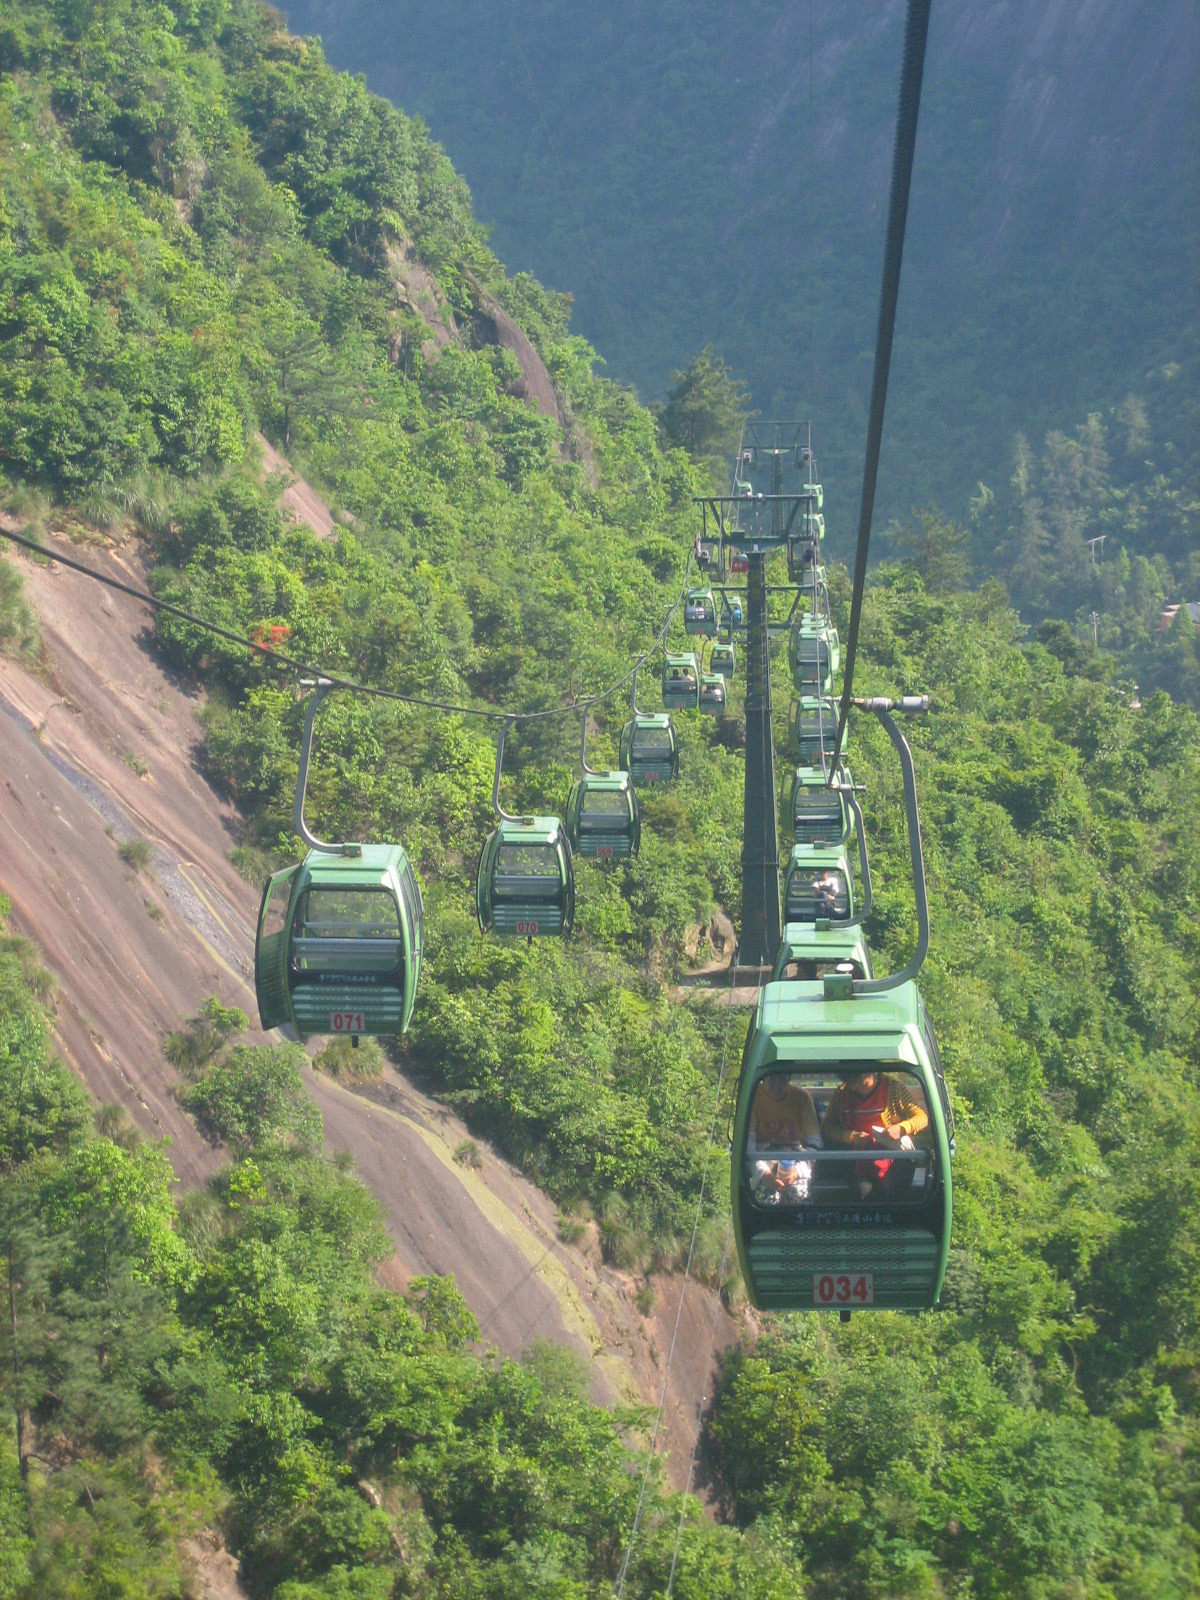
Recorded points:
271,949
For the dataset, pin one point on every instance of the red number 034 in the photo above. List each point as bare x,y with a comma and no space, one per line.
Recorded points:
843,1289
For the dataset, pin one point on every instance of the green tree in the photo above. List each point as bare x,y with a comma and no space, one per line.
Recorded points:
705,408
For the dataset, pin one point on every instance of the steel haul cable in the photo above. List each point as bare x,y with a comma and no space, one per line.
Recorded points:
911,73
306,669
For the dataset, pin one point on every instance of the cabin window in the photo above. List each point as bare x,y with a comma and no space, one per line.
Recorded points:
818,894
605,804
806,969
856,1135
411,895
814,807
346,930
275,905
527,861
650,742
339,913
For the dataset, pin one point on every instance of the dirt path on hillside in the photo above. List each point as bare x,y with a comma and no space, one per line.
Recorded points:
104,749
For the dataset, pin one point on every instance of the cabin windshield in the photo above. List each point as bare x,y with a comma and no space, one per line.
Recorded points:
348,914
824,892
815,803
651,742
852,1135
604,804
526,861
340,930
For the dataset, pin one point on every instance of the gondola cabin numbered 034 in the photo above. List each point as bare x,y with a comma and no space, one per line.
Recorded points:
841,1152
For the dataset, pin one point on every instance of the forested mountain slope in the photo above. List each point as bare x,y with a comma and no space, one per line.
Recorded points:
206,231
717,173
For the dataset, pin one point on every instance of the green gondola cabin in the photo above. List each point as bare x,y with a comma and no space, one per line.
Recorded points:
525,883
819,814
814,654
812,730
649,750
700,613
603,819
680,683
339,943
712,694
802,557
818,885
809,953
723,660
842,1143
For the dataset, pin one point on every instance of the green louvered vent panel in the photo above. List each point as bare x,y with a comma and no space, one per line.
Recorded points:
644,771
313,1002
903,1263
542,918
613,844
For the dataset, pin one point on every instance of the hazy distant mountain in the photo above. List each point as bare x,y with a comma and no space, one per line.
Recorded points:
730,182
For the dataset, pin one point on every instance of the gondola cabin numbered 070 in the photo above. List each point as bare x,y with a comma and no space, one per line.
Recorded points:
339,944
525,885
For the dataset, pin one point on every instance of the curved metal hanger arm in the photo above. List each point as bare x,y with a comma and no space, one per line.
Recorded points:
503,815
583,761
864,864
883,709
320,689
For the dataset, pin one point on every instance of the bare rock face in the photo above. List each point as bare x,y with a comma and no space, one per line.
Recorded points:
493,325
212,1573
722,935
419,290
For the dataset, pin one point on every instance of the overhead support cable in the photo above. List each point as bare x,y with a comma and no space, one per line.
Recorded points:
329,678
913,69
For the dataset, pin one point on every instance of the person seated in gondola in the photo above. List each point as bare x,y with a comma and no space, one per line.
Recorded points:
826,890
783,1117
874,1110
682,675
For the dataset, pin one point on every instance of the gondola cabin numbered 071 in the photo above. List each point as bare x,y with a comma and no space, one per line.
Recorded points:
339,944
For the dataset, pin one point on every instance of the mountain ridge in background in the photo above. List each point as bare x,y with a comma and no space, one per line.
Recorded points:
704,186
